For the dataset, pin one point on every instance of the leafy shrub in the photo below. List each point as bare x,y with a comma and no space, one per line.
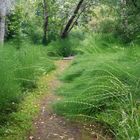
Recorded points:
127,35
127,27
60,48
106,26
65,47
14,21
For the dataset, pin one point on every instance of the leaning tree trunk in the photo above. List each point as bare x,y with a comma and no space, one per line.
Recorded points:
46,19
65,32
2,21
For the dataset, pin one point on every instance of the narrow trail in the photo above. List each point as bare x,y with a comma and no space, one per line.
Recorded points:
49,126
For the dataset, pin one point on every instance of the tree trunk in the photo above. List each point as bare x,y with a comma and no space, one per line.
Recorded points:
45,27
65,32
124,14
2,22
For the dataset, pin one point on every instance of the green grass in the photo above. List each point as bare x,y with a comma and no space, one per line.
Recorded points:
33,61
9,88
20,70
21,121
102,85
65,47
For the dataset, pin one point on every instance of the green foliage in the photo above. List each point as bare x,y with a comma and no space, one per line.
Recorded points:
27,19
102,85
129,34
65,47
14,21
28,16
107,26
103,18
33,61
19,71
128,21
103,42
119,18
9,87
20,122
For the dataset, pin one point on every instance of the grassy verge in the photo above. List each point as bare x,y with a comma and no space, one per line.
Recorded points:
102,86
20,122
19,72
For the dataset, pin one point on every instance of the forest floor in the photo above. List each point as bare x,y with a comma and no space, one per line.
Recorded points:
48,125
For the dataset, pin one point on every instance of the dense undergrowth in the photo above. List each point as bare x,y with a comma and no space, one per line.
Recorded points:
102,85
19,72
65,47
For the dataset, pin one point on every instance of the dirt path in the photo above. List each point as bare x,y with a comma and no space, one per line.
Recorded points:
49,126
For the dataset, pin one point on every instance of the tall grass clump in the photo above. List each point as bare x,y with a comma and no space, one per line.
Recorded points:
102,86
19,71
65,47
9,87
33,61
